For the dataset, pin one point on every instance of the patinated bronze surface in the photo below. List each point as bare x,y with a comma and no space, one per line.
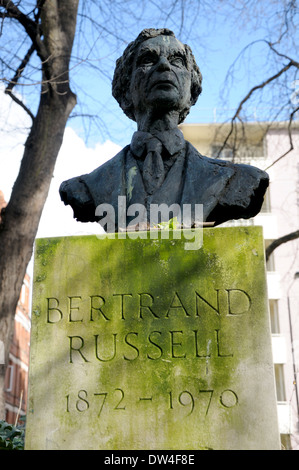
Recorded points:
156,81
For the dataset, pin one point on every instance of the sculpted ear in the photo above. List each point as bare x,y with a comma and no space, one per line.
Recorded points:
127,100
127,105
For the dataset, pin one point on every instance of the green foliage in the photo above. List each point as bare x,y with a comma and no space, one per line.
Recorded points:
11,437
172,224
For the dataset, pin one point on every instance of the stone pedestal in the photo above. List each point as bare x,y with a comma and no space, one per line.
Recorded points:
144,344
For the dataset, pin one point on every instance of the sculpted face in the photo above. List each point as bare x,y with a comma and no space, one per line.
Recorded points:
160,78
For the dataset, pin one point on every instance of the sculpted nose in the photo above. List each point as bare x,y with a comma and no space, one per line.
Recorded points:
163,64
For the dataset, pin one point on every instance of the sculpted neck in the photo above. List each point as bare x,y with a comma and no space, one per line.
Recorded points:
151,123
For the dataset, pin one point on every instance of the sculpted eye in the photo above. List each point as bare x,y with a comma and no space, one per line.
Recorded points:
178,61
147,59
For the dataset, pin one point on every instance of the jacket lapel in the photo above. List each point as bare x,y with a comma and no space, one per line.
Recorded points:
205,182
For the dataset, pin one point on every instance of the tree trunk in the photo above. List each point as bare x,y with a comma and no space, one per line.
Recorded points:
21,217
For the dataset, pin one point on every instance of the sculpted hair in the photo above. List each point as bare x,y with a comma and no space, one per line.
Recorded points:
123,70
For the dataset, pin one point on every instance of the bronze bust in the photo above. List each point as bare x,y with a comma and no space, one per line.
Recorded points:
156,81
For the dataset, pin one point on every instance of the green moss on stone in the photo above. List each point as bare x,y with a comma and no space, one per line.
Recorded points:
142,344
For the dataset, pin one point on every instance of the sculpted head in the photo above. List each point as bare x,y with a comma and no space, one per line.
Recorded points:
156,70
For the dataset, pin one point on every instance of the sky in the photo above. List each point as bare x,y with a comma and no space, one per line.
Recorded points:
74,159
84,150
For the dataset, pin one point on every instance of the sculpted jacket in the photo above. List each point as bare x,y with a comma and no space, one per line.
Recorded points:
226,190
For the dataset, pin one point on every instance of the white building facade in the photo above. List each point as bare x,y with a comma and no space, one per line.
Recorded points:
262,146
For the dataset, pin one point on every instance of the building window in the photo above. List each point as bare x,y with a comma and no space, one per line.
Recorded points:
285,442
242,154
266,207
279,381
270,263
274,317
225,154
9,378
2,353
23,294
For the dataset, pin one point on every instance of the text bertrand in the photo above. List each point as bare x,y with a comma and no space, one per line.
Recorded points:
141,325
77,308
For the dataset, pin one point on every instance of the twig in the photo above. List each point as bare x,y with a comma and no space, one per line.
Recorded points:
247,97
290,139
12,83
14,12
20,103
20,69
20,406
146,227
294,62
31,27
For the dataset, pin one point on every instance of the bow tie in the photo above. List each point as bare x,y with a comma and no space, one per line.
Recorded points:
150,148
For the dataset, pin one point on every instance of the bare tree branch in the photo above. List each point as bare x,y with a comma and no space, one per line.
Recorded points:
290,139
247,97
279,241
294,62
20,69
20,103
31,27
13,11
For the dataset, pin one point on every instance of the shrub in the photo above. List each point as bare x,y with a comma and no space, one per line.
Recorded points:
11,437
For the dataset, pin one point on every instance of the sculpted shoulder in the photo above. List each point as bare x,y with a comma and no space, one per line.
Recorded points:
227,190
81,192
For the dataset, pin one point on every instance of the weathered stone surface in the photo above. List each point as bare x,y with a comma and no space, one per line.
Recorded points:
141,344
